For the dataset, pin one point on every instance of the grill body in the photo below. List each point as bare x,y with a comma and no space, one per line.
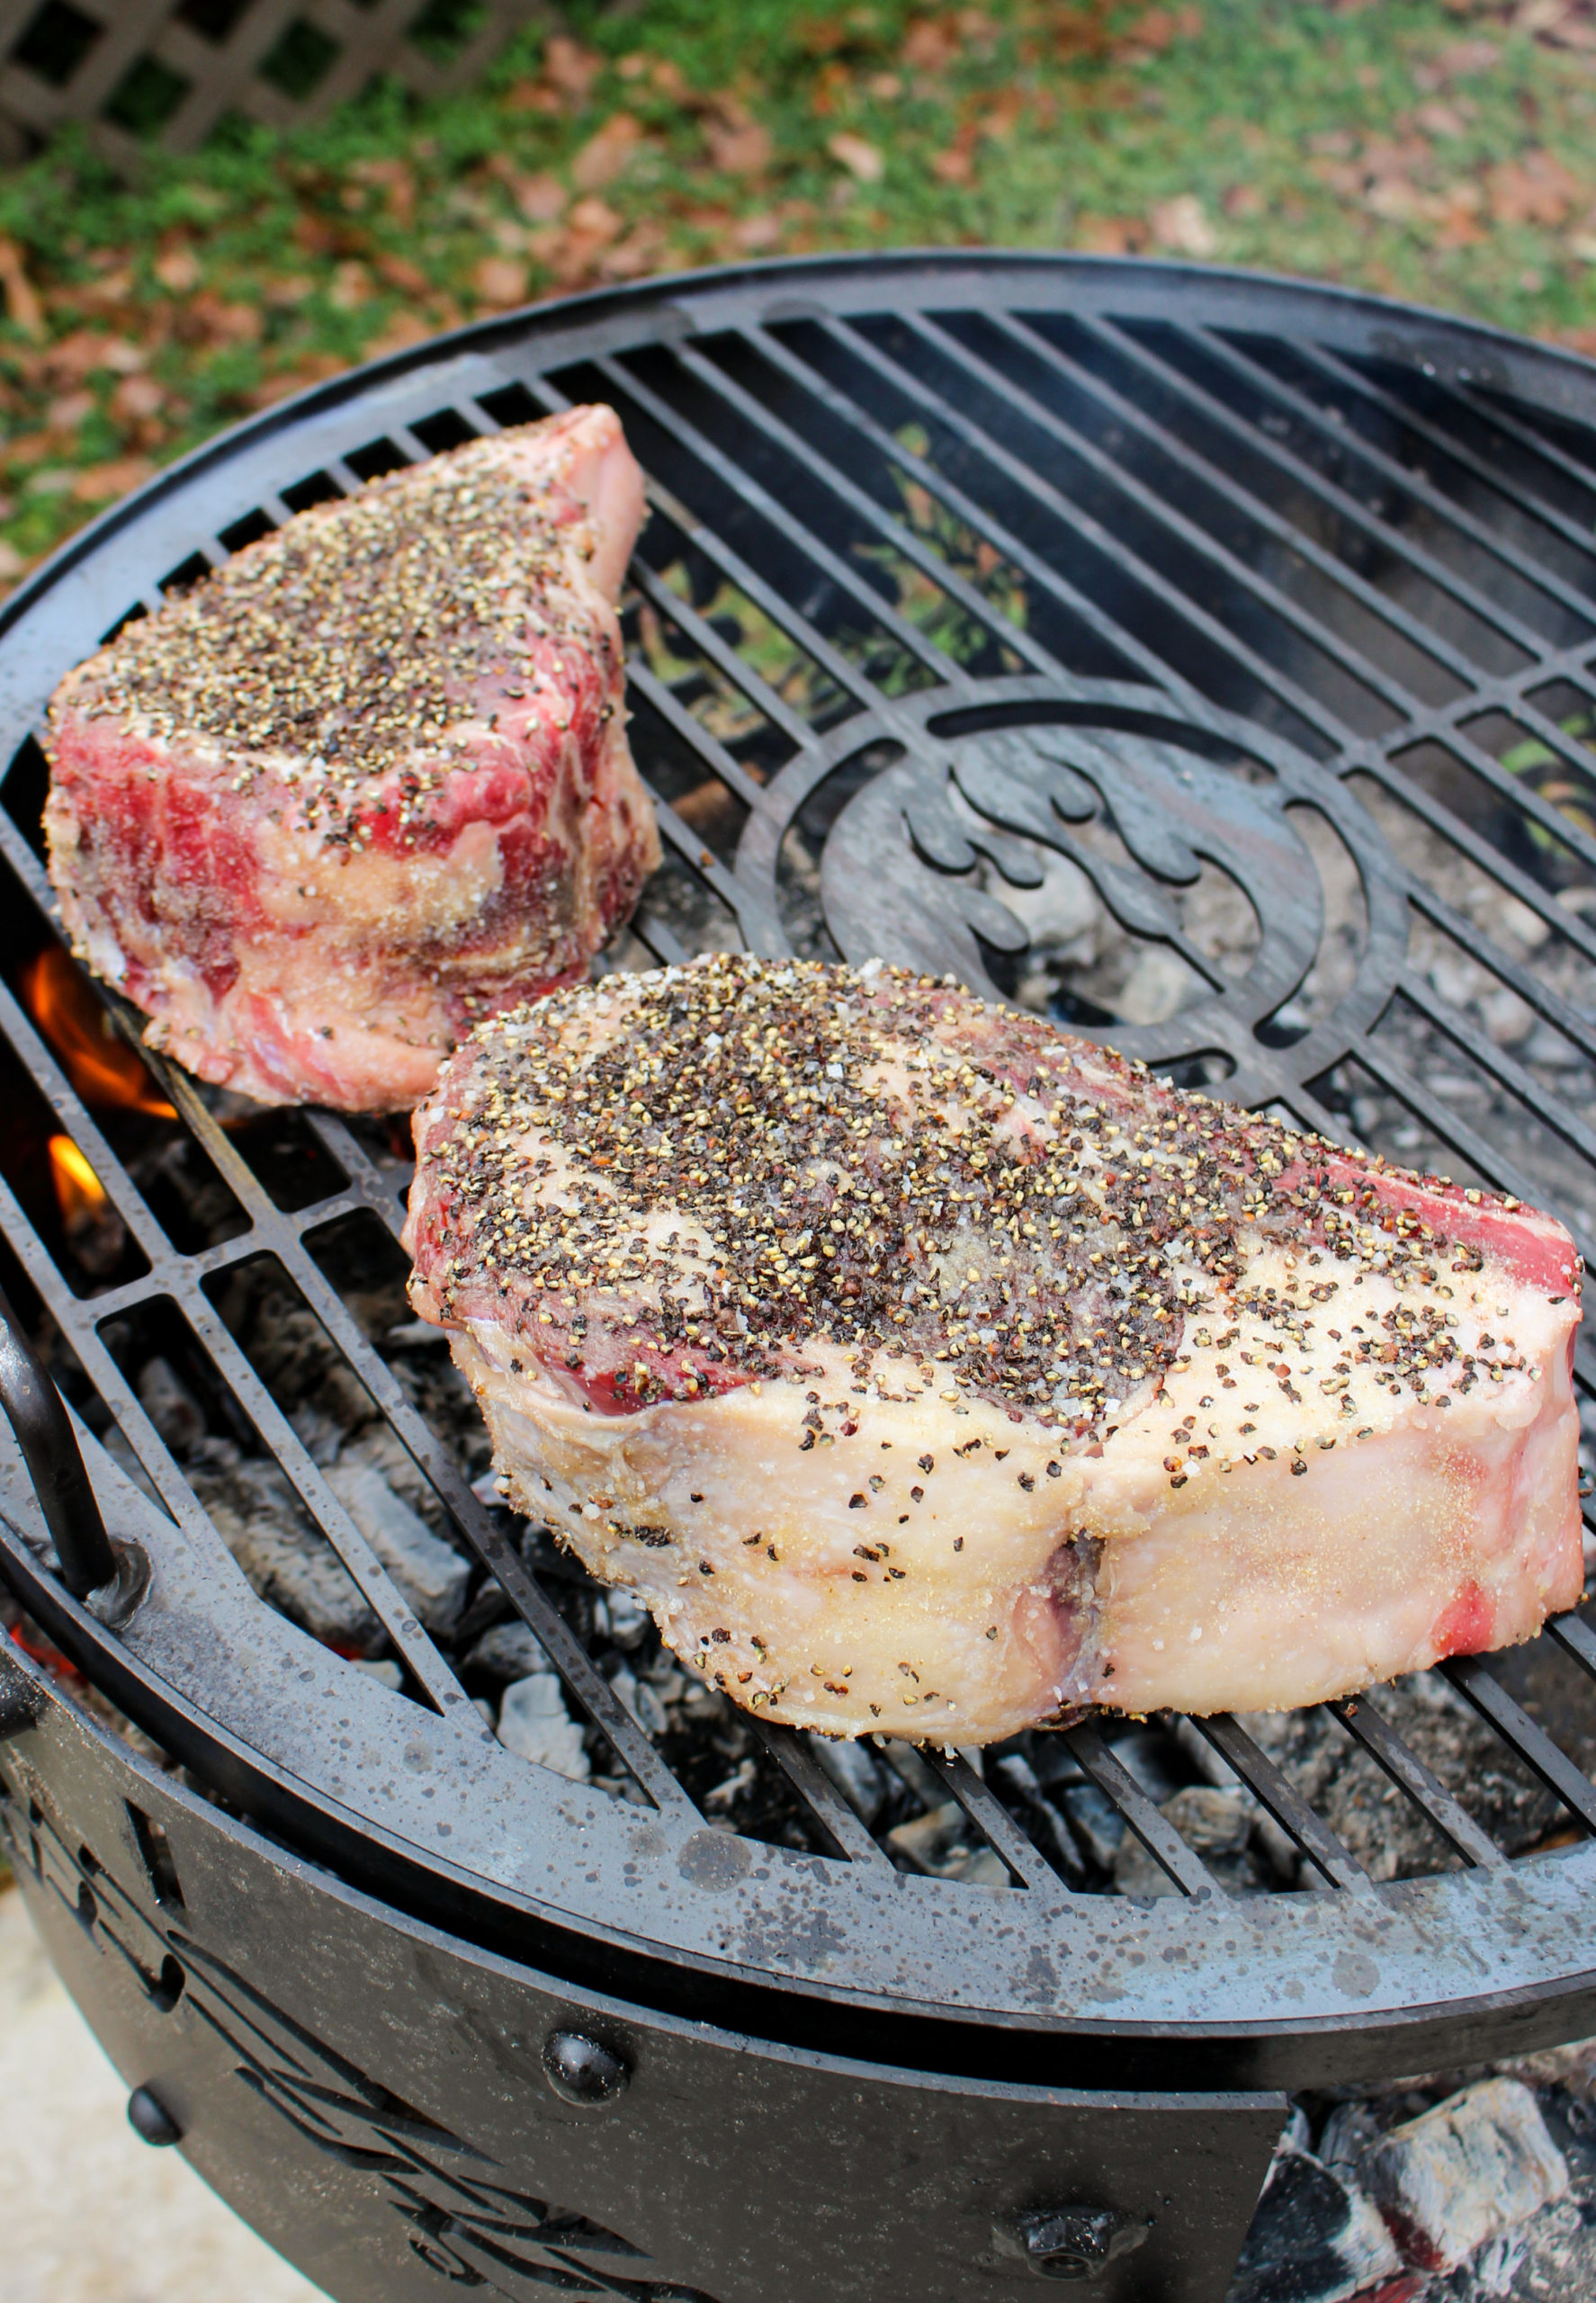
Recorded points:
983,598
370,2093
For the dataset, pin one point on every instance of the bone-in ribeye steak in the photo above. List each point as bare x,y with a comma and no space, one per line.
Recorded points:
369,780
929,1372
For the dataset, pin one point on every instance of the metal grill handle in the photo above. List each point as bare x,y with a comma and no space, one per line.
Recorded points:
38,1415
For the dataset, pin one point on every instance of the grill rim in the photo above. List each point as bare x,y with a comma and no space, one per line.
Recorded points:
549,326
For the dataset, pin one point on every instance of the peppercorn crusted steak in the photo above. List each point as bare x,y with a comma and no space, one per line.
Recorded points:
369,779
929,1372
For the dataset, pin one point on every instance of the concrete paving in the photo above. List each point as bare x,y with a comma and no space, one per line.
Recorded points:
91,2214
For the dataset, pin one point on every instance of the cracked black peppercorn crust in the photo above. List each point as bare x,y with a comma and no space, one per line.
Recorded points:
828,1230
368,780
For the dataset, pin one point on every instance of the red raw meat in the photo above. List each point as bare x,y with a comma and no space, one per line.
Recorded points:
369,781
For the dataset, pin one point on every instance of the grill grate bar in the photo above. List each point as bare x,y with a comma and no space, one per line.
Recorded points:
992,530
1386,1747
1576,1638
1502,1068
874,604
1337,369
741,900
709,747
470,1516
790,621
1308,710
847,491
837,1820
997,1826
1157,1835
1567,467
393,1609
1357,666
1505,1174
1326,491
1297,540
1422,720
1518,795
1575,1023
725,658
1484,858
1404,477
1533,1745
1224,1734
665,945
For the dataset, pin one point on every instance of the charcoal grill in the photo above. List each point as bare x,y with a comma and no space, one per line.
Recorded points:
1252,625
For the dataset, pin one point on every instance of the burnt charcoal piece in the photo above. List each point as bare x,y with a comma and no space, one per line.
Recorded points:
1315,2238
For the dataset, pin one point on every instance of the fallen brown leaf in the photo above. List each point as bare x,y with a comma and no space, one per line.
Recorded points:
930,44
1182,225
860,159
606,154
315,368
738,144
596,219
100,483
1243,201
137,398
22,298
177,269
1539,189
1109,235
65,414
752,233
570,66
501,281
1463,58
398,334
541,198
352,286
399,271
956,166
1437,119
637,254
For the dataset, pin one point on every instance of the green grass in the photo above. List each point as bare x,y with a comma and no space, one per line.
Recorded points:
1430,151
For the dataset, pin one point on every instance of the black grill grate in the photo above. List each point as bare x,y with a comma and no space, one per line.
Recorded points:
1249,627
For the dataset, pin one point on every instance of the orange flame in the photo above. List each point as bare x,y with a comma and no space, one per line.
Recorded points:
95,1231
102,1068
78,1189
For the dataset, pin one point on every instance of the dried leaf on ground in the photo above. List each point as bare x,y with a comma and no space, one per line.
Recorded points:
1109,235
1182,225
738,144
860,158
104,483
607,154
22,298
1537,189
570,66
501,281
177,269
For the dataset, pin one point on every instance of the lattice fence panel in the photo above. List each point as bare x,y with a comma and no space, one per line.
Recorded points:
134,71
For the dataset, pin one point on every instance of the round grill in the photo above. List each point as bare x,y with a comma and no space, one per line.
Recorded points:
1209,662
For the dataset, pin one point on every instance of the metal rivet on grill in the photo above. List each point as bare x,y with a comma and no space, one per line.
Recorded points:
582,2070
150,2120
1071,2242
